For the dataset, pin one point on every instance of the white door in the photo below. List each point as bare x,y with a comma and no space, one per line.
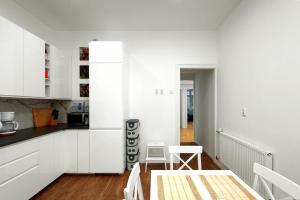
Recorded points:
107,151
106,109
70,151
83,151
11,58
34,65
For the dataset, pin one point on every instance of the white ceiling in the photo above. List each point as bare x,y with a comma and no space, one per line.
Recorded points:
130,14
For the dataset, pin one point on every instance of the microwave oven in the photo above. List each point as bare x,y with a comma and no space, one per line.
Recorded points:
78,119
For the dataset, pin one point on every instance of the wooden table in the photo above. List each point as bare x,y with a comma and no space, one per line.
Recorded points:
199,185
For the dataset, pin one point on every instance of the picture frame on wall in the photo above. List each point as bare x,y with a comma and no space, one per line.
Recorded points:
84,72
84,90
84,53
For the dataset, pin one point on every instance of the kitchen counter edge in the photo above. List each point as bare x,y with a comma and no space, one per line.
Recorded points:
30,133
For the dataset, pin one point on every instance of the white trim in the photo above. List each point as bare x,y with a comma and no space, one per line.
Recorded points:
177,96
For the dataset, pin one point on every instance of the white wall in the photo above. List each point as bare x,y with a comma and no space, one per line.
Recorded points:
153,57
259,68
204,112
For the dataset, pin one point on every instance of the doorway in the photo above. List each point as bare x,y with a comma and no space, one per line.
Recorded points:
187,111
198,93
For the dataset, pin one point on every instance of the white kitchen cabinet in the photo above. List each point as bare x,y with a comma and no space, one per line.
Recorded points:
21,187
58,154
59,74
83,151
11,58
70,151
107,148
34,65
46,160
51,158
106,96
19,169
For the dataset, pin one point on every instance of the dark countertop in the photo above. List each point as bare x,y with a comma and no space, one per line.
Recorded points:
29,133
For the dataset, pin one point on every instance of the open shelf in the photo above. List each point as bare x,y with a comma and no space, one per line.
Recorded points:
47,70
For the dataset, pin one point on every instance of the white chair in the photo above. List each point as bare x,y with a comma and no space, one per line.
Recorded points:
264,174
177,150
133,190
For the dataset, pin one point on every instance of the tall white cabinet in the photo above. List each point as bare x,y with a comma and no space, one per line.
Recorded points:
34,62
107,134
11,58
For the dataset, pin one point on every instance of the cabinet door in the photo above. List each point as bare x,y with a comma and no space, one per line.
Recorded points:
58,165
11,58
107,149
70,151
46,160
106,96
22,187
56,73
67,77
34,65
83,151
60,74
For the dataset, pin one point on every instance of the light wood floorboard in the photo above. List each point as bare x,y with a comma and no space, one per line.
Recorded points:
187,134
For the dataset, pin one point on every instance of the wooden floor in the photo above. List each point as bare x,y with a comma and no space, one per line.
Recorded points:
104,187
187,134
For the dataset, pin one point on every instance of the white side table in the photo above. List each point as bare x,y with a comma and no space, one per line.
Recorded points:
156,153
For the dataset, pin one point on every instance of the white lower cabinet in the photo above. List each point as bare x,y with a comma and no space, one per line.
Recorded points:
58,160
107,149
46,160
70,151
28,167
19,171
51,158
83,151
21,187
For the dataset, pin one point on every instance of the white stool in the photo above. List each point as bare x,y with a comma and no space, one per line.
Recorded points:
156,152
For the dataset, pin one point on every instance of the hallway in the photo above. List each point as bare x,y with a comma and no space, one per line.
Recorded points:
187,134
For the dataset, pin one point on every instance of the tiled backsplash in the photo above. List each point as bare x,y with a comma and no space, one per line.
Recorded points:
23,109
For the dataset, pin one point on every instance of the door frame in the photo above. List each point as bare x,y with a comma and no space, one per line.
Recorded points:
178,67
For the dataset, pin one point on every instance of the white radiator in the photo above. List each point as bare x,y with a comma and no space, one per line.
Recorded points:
239,156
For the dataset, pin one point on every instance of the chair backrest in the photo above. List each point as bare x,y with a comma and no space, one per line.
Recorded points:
264,174
133,190
176,150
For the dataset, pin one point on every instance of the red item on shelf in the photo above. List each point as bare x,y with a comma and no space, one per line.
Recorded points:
46,73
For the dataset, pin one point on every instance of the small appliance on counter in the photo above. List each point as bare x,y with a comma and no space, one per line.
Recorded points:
7,124
78,119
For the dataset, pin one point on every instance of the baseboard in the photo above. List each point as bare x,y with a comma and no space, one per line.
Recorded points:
220,165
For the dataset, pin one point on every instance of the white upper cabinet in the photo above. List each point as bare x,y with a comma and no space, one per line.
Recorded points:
11,58
22,69
34,65
59,74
